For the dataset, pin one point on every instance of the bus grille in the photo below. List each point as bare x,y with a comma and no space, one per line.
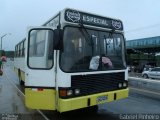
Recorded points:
97,83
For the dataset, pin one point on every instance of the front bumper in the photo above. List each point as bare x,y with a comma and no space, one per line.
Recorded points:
90,100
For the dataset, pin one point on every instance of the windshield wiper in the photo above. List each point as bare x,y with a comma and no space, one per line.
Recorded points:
85,33
110,35
87,36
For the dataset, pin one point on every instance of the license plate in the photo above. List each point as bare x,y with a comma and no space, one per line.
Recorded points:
101,99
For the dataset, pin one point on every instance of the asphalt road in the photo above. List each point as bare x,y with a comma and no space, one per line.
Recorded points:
12,104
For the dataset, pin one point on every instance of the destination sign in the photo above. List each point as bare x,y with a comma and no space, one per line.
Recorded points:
90,19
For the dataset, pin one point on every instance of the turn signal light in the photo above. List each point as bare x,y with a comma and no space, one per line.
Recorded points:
63,93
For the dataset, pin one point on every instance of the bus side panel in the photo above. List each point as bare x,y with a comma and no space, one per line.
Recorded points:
40,99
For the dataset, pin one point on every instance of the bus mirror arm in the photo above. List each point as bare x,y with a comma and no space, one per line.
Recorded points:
58,39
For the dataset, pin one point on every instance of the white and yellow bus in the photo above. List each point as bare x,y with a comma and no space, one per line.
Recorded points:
75,60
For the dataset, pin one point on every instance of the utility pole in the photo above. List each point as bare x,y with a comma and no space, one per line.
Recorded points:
1,41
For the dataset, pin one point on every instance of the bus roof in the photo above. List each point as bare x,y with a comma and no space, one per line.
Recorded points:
76,16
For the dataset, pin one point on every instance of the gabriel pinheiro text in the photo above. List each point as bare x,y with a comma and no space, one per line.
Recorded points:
139,116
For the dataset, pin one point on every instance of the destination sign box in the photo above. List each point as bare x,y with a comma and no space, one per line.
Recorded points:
90,19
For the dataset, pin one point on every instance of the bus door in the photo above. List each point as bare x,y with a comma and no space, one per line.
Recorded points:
40,69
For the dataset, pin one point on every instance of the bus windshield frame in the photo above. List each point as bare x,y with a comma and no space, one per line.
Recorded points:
91,50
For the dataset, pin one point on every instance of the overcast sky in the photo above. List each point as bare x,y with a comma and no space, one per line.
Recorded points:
141,18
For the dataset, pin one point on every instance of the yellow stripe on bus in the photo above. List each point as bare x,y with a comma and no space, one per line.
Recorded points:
40,99
82,102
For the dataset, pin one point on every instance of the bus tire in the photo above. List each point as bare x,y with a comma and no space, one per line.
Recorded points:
92,109
145,76
21,82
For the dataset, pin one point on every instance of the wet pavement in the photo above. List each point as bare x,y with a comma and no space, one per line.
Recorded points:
12,104
11,99
8,98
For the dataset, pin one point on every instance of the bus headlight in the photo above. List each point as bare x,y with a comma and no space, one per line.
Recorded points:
77,91
120,85
69,92
124,84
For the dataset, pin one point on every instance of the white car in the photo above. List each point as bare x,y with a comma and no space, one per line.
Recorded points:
152,73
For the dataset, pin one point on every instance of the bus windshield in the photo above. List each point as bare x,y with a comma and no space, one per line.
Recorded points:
94,51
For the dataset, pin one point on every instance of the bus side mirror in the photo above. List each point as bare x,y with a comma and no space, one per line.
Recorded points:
58,39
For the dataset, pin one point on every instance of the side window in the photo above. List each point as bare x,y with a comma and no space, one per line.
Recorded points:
15,53
24,47
40,43
40,52
32,44
154,69
18,50
21,48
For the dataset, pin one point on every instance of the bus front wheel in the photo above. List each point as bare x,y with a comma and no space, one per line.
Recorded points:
92,109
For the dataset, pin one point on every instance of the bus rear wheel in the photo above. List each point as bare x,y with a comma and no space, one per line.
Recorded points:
21,82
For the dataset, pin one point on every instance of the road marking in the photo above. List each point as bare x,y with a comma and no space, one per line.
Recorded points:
146,91
40,112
